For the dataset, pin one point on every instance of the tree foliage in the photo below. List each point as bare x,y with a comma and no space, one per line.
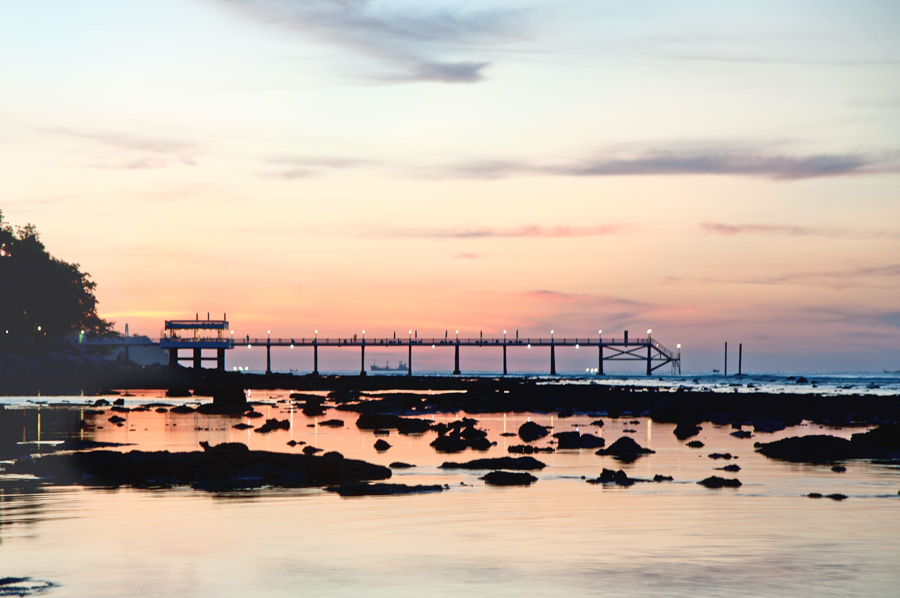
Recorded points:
37,289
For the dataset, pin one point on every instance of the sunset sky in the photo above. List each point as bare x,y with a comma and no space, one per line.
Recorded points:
716,171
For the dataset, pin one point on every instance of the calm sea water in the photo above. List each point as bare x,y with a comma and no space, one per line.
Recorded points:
560,536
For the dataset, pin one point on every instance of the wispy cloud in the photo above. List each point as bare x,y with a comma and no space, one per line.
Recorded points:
730,230
723,161
874,277
789,230
303,167
137,152
531,231
421,44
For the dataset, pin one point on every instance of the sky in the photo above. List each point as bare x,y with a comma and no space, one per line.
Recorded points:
715,171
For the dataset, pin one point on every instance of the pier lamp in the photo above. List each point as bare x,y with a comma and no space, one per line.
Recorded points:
504,337
457,336
649,331
317,335
364,336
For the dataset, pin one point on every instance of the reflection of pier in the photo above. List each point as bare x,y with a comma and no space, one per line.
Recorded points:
197,335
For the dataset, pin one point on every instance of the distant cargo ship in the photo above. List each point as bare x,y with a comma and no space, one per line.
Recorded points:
387,367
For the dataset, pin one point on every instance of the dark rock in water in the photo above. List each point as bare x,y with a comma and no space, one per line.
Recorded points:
333,455
241,426
381,432
769,425
809,449
382,489
116,419
508,434
881,443
590,441
608,476
726,456
289,442
178,392
401,465
625,449
717,482
508,478
527,449
332,423
530,431
313,410
311,450
685,430
120,409
381,445
731,468
119,401
161,410
629,431
224,467
253,414
101,403
182,409
575,440
839,469
232,396
801,380
663,478
742,434
273,424
597,422
517,463
568,440
403,425
447,444
836,496
815,495
457,436
695,444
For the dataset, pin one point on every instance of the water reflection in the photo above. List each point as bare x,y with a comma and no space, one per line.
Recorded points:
559,536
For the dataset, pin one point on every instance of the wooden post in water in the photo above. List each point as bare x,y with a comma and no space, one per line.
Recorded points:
740,356
409,361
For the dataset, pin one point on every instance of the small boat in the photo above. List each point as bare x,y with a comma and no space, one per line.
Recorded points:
715,371
387,367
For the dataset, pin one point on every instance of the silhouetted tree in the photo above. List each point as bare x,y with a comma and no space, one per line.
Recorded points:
36,289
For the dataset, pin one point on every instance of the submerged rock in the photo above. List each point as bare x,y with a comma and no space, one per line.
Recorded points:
527,449
382,489
272,425
717,482
685,430
625,449
530,431
809,449
508,478
576,440
517,463
401,465
381,445
224,467
608,476
695,444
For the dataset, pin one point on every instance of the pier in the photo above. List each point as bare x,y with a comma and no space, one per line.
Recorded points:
644,349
